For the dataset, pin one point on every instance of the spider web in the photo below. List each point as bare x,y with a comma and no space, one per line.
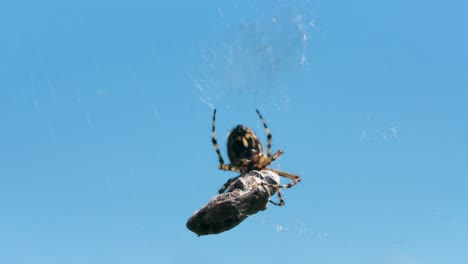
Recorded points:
256,56
374,131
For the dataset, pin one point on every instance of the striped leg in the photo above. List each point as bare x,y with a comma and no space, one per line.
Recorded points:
222,165
295,179
229,167
277,189
214,141
227,184
267,130
280,197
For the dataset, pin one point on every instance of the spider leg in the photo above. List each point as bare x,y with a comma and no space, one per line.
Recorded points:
214,141
277,189
229,167
295,178
227,184
280,197
276,155
267,130
265,161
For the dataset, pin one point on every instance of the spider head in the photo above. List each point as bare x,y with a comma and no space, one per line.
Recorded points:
244,148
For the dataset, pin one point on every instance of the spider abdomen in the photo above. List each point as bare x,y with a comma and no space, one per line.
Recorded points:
244,148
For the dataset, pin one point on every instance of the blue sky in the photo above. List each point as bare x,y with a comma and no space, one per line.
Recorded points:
106,117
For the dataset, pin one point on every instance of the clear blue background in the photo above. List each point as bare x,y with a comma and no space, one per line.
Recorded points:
105,111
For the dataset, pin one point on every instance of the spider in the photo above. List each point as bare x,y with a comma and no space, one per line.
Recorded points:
246,154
